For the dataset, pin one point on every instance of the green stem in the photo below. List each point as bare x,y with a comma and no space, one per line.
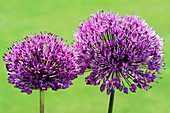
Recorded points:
111,101
41,101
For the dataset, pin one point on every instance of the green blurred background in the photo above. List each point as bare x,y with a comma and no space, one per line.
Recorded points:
20,17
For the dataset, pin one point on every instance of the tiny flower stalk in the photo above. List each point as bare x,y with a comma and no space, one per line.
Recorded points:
41,62
41,101
122,53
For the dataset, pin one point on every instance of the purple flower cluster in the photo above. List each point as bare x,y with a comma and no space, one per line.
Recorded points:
41,62
122,52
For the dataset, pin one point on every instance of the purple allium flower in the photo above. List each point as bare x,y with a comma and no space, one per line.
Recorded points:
122,52
41,62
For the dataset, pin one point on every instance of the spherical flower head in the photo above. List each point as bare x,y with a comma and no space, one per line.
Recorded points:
41,62
122,52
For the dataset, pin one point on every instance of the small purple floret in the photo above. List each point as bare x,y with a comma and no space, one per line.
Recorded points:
133,88
102,87
125,90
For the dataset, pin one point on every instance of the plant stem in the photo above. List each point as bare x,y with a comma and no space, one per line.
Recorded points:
41,101
111,101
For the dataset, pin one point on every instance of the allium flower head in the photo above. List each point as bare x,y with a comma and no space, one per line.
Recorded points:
41,62
122,52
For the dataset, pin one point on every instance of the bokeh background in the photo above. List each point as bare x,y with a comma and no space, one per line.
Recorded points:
18,18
